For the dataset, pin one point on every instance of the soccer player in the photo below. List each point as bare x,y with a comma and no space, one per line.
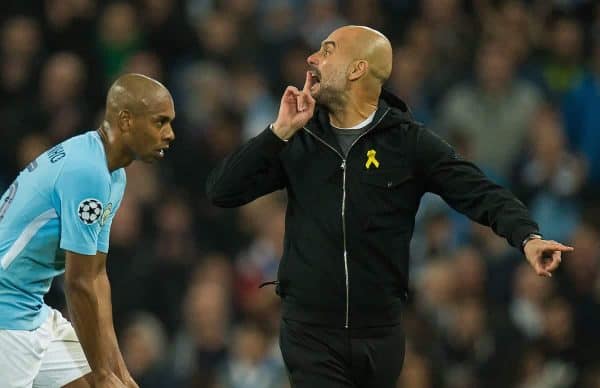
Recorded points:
55,218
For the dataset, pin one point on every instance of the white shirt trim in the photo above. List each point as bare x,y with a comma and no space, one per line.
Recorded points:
362,124
26,236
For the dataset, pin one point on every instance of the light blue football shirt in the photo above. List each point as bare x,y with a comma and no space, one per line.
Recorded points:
64,200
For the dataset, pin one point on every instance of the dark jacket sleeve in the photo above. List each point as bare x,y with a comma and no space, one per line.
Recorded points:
250,172
464,187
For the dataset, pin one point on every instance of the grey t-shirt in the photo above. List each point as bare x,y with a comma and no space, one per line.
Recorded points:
346,137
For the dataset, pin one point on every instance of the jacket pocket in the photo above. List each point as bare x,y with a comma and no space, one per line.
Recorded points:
388,178
388,198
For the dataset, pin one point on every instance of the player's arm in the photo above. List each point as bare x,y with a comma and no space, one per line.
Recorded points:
88,296
82,197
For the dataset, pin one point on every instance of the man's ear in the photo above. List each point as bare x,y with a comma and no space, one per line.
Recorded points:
125,120
358,69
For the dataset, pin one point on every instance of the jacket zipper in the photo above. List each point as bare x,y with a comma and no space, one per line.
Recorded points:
343,167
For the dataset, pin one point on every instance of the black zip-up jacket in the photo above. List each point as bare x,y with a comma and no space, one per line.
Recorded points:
349,221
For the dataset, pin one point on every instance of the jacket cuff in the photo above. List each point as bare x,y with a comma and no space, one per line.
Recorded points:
270,143
520,233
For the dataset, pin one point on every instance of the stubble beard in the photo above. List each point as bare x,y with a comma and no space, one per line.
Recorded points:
332,95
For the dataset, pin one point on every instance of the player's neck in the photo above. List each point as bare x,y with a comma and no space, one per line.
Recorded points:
116,156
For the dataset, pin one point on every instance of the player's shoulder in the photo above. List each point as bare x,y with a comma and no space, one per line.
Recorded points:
86,147
83,155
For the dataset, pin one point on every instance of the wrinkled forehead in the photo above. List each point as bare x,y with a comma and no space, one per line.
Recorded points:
345,40
337,37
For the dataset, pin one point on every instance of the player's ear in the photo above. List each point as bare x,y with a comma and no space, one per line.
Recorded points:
125,120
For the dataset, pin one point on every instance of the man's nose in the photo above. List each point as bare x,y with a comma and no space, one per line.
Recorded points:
170,134
312,59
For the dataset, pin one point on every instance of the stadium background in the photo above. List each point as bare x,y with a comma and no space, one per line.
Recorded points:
514,85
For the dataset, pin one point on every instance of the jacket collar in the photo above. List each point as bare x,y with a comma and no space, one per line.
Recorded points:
320,126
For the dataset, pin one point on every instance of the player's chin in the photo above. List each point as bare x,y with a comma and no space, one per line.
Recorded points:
153,157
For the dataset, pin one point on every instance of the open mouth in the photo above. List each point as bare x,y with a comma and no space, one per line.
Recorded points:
316,81
316,78
161,151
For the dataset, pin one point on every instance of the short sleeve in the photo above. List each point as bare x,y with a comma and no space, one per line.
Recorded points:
104,236
82,192
118,189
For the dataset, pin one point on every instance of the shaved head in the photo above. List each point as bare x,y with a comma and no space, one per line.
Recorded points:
137,121
349,70
367,44
134,93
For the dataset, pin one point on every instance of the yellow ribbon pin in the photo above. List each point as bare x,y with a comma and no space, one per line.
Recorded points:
371,159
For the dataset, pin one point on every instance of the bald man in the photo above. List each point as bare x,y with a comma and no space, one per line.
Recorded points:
55,218
355,166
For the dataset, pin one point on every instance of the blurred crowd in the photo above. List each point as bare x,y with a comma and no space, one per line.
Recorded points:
513,85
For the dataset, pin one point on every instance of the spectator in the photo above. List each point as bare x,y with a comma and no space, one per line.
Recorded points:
583,128
408,81
144,350
118,37
259,262
494,111
20,47
201,344
550,179
62,110
249,365
562,69
530,293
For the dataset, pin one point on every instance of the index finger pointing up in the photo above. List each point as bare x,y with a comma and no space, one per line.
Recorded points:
308,83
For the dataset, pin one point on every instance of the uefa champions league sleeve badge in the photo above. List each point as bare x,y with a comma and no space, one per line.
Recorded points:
89,211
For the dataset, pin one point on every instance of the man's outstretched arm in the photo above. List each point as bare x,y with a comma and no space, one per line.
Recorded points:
464,187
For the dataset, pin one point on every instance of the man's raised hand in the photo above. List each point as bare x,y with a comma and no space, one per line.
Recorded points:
296,108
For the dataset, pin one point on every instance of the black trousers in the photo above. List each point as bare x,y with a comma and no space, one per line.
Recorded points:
321,357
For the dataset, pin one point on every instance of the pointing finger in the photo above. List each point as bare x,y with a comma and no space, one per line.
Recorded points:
308,83
560,247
